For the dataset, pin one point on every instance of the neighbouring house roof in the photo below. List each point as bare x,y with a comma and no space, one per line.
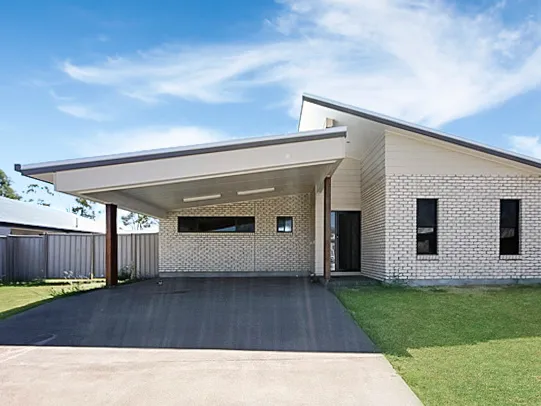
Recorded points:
418,129
19,214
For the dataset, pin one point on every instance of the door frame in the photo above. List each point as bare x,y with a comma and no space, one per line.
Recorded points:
335,270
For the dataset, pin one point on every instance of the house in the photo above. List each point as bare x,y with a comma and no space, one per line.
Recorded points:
22,218
390,200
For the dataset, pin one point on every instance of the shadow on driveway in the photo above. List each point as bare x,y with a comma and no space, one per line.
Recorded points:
268,314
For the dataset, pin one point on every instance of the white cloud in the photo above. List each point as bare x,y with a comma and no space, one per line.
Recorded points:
527,145
141,139
420,60
81,111
58,97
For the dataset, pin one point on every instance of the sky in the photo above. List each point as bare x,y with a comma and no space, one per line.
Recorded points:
84,78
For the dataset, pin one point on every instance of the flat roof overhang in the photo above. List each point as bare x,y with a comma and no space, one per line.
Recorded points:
158,181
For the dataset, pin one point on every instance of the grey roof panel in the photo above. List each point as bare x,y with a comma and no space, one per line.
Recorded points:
30,214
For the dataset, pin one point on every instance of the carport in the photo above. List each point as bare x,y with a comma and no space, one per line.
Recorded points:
161,182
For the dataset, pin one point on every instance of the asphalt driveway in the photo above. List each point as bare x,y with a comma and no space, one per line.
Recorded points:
195,342
270,314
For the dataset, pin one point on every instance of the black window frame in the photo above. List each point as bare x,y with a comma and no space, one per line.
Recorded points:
510,245
286,219
200,224
423,221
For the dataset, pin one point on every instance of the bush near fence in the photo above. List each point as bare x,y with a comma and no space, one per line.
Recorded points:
81,256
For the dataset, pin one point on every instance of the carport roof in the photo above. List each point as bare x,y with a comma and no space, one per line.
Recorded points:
159,181
173,152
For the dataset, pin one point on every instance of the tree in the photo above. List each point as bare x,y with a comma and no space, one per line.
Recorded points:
5,187
138,221
84,208
35,188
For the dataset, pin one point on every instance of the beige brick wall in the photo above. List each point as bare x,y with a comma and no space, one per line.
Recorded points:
468,227
262,251
373,230
373,194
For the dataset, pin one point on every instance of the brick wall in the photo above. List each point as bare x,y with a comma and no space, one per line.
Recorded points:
262,251
468,227
373,196
373,230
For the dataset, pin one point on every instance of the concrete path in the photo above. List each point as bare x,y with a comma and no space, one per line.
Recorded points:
99,376
195,341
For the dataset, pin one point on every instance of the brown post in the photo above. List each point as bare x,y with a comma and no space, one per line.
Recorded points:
327,228
111,246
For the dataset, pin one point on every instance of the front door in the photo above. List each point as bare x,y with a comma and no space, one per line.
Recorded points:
345,241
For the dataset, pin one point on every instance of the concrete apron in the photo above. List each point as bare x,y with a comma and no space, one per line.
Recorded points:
40,375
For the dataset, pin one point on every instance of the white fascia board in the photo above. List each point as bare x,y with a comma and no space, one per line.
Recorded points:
161,171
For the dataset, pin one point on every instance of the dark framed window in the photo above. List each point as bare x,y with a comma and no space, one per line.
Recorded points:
284,224
427,226
509,227
216,224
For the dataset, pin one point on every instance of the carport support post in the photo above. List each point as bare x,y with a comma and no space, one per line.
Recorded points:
111,246
327,228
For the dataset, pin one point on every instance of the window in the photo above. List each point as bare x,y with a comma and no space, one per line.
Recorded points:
427,226
284,224
509,227
216,224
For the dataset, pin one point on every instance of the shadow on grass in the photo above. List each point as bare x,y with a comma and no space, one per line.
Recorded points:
67,290
7,313
400,318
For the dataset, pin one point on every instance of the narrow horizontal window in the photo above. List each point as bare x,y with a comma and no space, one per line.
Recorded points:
427,226
216,224
284,224
509,227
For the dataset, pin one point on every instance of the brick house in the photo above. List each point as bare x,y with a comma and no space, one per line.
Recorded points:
351,193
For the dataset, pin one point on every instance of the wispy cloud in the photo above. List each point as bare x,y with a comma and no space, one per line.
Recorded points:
58,97
527,145
420,60
83,112
140,139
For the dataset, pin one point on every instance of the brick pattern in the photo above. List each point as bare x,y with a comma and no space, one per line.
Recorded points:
373,230
262,251
468,227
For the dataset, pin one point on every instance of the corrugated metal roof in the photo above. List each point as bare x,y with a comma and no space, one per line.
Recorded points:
30,214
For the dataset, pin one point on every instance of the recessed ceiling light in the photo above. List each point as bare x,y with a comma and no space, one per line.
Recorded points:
198,198
254,191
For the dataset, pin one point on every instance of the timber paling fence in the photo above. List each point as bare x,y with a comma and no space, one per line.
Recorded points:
75,256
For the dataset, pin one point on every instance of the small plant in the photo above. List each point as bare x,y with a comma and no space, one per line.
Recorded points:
72,288
127,272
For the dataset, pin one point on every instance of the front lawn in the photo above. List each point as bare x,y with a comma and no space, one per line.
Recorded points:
19,297
457,346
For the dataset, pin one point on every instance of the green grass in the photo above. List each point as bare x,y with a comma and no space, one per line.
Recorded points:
19,297
457,346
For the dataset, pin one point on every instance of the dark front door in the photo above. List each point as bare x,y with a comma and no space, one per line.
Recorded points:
347,240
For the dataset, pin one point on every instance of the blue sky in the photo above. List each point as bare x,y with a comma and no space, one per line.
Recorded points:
81,78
